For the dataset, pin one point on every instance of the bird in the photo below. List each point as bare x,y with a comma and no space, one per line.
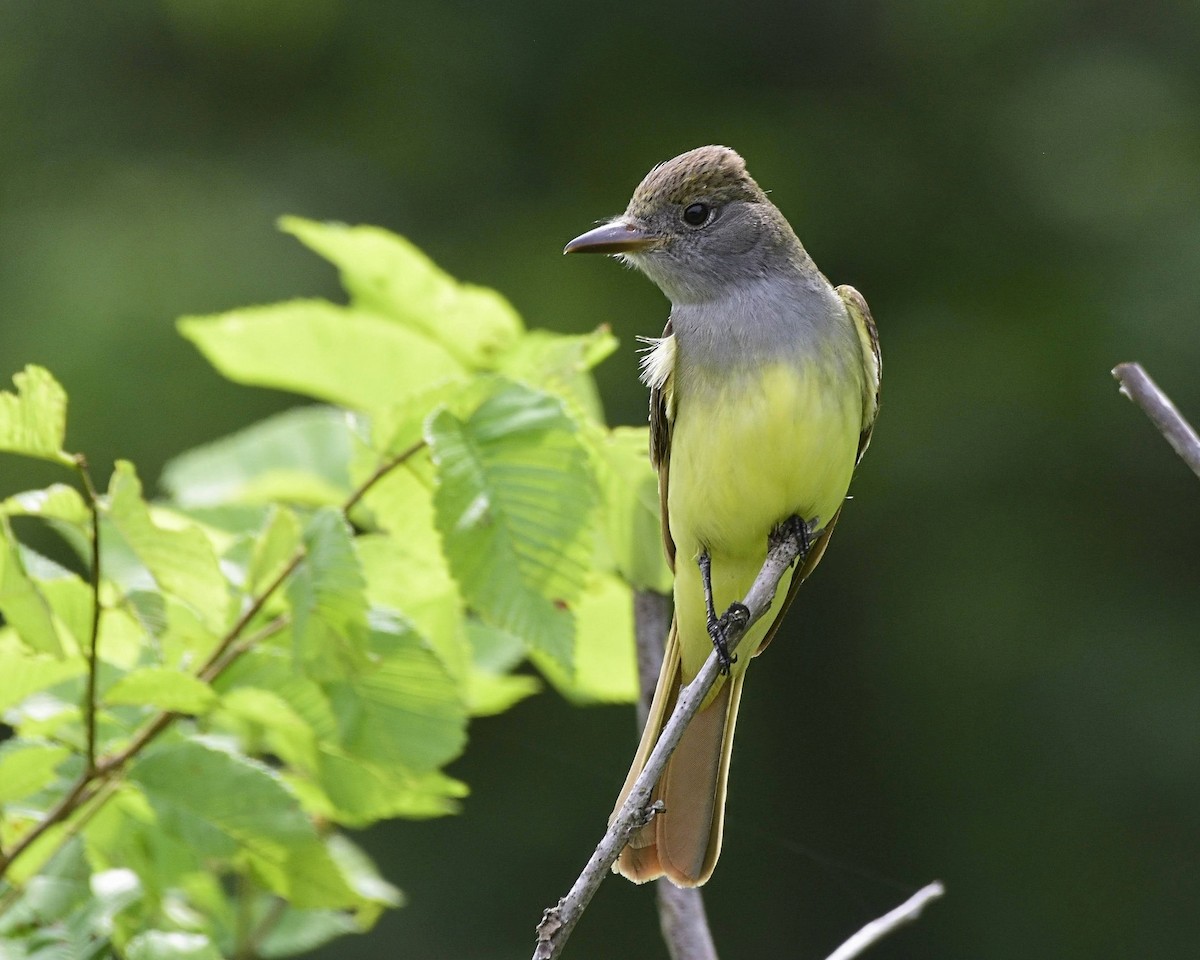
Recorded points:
764,389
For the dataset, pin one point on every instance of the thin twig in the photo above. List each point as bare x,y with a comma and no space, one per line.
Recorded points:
89,695
380,472
270,920
1138,387
681,915
558,921
876,930
208,672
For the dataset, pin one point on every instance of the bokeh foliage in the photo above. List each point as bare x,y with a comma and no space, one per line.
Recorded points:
992,678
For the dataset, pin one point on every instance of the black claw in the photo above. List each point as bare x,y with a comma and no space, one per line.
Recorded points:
738,613
716,631
797,529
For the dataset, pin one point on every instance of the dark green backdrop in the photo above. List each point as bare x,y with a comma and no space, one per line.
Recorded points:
995,677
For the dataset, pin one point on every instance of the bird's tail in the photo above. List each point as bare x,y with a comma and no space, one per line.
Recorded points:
684,841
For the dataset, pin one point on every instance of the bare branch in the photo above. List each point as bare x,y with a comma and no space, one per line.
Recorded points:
558,921
684,923
876,930
1138,387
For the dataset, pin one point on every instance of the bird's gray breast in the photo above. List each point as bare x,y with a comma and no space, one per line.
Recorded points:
769,321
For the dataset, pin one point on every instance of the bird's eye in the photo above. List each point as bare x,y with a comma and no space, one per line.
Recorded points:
697,214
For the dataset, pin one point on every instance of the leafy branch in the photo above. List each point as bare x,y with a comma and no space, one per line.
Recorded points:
97,772
292,640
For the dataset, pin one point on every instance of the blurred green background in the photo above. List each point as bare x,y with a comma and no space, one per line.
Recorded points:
995,677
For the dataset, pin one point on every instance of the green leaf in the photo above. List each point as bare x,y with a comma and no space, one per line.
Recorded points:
33,421
630,523
274,547
327,597
350,357
162,688
56,502
389,275
25,768
300,456
404,709
514,504
299,931
357,794
25,673
401,426
171,945
217,801
180,559
560,363
605,649
491,689
272,669
23,605
408,574
224,804
266,722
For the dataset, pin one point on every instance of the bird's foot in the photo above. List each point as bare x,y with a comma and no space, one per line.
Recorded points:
797,530
737,616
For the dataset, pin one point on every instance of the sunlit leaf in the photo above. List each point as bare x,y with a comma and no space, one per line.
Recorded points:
631,527
266,722
223,803
33,421
605,657
181,560
513,505
298,456
491,689
408,574
171,945
25,673
403,709
23,605
560,362
25,768
357,794
327,597
312,347
162,688
387,274
299,931
56,502
274,547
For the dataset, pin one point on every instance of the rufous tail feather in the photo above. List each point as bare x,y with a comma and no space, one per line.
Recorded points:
684,841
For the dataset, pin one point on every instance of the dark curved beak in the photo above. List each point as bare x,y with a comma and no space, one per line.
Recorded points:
620,236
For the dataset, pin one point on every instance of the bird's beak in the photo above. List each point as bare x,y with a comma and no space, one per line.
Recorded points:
620,236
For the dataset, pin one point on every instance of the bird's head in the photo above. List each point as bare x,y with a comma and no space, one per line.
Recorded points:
696,225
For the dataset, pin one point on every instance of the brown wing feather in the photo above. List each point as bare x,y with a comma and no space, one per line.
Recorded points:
660,455
868,335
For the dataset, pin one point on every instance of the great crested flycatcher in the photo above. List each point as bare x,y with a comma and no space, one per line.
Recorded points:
763,391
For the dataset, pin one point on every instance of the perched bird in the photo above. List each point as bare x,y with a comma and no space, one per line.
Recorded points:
763,391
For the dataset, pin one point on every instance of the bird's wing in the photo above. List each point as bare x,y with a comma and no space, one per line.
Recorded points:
658,368
868,336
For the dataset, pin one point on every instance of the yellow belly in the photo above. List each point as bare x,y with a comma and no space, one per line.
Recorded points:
745,455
